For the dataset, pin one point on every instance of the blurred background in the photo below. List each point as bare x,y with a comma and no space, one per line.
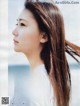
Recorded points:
71,14
3,48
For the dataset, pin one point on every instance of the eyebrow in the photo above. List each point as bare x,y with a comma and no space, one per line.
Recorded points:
20,19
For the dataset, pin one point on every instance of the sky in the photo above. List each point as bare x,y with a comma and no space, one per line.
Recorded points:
71,20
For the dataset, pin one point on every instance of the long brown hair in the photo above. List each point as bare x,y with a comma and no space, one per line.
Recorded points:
50,21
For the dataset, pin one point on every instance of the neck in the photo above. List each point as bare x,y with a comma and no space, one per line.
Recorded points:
34,60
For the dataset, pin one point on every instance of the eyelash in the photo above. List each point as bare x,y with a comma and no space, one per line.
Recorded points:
21,24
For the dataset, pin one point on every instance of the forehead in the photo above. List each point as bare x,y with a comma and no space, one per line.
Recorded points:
26,15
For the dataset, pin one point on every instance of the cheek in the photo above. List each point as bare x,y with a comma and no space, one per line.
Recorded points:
29,39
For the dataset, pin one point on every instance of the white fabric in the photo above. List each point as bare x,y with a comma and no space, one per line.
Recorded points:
41,91
35,90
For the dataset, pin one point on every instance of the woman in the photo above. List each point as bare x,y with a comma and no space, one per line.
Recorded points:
40,35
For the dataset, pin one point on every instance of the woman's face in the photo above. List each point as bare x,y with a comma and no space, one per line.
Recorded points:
27,37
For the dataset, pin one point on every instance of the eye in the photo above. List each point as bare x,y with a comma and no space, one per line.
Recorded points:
22,24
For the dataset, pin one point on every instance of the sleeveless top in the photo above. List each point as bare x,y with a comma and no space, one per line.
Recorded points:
34,89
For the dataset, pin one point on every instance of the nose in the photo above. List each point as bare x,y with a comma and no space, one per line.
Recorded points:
15,32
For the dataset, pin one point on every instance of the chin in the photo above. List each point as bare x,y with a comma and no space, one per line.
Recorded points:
17,49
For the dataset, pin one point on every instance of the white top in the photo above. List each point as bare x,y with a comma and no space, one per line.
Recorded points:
36,90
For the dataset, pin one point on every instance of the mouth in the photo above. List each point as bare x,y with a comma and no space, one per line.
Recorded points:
15,41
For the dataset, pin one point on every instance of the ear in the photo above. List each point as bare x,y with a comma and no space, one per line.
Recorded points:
43,38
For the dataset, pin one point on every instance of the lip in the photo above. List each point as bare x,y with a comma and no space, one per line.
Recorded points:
15,41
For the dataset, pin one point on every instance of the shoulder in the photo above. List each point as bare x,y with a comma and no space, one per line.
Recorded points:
41,78
42,91
41,84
